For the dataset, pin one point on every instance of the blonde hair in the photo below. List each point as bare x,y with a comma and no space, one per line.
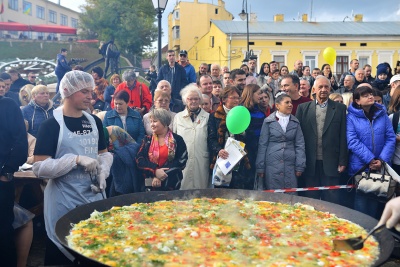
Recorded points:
38,89
334,96
347,98
25,94
160,93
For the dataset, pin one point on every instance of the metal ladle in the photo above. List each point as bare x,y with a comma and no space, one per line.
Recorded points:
354,243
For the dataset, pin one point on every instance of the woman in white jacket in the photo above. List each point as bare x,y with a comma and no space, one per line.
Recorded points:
191,124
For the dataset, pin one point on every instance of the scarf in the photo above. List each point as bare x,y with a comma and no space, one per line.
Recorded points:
283,120
119,138
154,150
220,113
193,114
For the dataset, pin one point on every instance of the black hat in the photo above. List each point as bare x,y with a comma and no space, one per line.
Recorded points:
183,52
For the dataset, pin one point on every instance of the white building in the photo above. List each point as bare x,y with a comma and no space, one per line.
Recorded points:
37,12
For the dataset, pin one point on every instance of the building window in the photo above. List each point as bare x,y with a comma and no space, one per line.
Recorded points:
280,59
40,12
364,57
74,23
216,11
310,61
52,16
176,14
40,35
176,32
342,65
27,8
13,4
385,56
64,20
363,60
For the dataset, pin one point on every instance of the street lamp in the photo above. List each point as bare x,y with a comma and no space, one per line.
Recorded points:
245,16
159,6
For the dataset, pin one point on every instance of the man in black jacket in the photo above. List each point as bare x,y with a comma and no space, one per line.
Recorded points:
13,153
174,73
17,81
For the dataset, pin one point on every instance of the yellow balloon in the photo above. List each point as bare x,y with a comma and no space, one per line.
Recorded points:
329,55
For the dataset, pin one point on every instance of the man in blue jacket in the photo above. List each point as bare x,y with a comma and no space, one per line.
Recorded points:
184,62
62,66
174,73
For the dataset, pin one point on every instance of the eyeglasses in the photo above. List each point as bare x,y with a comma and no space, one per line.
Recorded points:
183,55
235,98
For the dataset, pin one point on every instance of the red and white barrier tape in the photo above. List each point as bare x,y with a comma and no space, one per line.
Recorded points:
332,187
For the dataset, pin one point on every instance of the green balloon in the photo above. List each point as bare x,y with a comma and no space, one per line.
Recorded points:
238,120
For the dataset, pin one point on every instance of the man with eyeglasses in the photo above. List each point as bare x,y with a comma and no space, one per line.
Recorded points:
238,79
7,93
184,62
32,78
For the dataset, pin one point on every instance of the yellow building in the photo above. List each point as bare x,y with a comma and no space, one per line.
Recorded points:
285,42
189,21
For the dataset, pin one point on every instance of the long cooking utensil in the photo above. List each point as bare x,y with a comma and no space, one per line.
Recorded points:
355,243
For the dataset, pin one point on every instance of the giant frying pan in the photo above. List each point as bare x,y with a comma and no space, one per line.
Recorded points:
63,225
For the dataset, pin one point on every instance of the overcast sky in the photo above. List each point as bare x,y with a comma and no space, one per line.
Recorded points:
322,10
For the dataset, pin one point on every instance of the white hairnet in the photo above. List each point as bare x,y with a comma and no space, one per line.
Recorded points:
75,81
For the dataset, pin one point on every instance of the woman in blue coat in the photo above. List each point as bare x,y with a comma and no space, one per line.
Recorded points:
125,117
370,138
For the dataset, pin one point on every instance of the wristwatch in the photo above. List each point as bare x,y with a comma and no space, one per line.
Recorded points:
9,177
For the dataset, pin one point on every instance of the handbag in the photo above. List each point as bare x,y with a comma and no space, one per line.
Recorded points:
375,185
219,178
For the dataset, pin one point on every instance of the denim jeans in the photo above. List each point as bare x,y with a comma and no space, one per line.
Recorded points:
367,205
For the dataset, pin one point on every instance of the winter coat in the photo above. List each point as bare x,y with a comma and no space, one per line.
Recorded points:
139,96
217,135
196,172
36,114
368,140
125,174
177,79
190,73
134,123
281,154
18,84
149,168
108,97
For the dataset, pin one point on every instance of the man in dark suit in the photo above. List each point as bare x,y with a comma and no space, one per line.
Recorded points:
323,123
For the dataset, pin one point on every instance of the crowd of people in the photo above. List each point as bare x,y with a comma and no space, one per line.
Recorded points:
308,128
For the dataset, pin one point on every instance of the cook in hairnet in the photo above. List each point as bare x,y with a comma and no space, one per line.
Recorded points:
71,152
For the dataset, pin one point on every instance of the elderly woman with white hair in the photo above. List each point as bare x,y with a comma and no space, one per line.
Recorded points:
191,124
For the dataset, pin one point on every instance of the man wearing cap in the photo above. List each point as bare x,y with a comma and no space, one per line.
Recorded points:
139,94
174,73
394,82
71,152
184,62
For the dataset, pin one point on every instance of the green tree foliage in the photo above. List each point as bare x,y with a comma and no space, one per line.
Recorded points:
129,22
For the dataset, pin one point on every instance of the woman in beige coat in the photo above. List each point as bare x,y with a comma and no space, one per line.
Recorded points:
191,124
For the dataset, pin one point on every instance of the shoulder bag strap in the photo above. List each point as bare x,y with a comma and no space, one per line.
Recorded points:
395,120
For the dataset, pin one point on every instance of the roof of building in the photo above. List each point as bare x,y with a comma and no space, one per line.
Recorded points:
386,28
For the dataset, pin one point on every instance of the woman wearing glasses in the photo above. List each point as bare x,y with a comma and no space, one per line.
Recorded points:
218,134
191,124
125,117
162,100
